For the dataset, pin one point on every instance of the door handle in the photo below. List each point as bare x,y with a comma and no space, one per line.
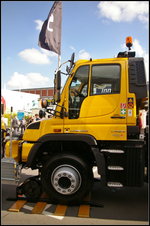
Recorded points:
117,116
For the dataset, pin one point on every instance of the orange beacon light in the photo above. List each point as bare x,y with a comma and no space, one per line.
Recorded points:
129,42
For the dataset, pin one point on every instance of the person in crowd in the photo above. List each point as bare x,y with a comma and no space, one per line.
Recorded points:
3,135
23,125
31,119
15,124
36,117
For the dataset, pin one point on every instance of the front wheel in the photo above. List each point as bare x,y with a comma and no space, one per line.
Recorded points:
66,178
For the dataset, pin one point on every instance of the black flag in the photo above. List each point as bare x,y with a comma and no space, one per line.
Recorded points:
50,35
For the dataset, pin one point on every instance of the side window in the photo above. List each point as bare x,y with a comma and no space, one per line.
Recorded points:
105,79
78,90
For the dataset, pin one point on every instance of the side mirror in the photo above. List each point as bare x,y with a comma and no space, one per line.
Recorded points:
57,86
67,69
72,60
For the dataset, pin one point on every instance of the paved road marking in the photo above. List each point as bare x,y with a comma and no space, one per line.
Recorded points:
84,211
39,207
26,207
46,210
60,210
17,205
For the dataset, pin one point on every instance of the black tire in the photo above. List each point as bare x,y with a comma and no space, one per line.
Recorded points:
31,188
74,179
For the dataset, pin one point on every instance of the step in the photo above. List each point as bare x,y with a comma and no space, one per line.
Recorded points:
117,151
115,168
114,184
8,169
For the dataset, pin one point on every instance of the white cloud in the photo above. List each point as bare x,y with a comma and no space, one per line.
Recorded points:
39,24
49,53
84,55
124,10
140,52
72,48
29,80
34,56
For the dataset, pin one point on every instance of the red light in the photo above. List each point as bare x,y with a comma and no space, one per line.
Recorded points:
57,130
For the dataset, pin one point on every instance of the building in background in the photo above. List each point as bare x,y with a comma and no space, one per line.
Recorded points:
45,93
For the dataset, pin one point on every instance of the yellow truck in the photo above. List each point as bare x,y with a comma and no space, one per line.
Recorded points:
98,121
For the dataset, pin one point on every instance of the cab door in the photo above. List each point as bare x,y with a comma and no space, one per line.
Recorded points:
97,101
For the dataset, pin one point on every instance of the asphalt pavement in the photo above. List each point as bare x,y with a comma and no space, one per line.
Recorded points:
126,206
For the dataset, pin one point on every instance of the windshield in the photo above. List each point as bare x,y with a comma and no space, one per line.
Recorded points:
64,82
78,91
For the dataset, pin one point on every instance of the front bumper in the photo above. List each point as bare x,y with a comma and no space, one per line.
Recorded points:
18,150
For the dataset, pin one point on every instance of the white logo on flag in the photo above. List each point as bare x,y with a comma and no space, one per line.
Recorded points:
51,20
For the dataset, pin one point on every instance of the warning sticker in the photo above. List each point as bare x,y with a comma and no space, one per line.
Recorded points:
123,111
123,105
130,112
130,102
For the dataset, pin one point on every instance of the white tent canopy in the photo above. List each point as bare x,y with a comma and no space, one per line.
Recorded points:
20,101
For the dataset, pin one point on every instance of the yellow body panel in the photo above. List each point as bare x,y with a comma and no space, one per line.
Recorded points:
46,126
31,134
101,132
26,147
3,125
15,150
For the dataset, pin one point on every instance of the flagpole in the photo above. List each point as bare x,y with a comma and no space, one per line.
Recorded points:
59,61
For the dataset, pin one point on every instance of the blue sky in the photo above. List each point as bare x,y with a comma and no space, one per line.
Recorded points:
95,29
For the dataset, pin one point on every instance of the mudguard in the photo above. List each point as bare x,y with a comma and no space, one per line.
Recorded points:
90,140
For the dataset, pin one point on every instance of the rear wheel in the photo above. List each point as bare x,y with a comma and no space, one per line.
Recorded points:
66,178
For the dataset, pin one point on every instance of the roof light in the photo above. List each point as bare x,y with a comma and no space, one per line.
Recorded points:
129,42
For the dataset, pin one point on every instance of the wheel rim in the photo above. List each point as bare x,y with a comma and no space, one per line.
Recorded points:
66,179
